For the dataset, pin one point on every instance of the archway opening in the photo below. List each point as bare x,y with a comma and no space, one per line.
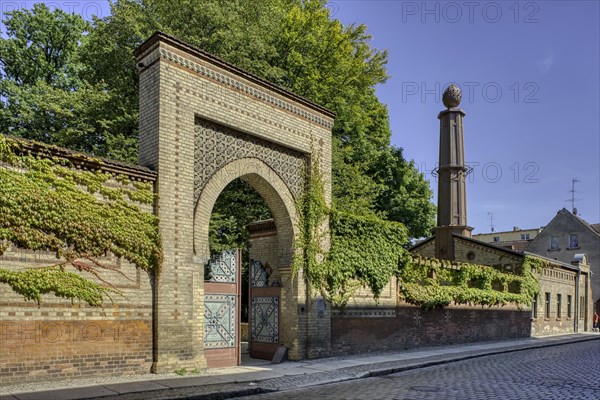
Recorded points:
274,299
238,205
238,208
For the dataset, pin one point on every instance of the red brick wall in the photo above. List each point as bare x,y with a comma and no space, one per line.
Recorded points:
42,349
61,339
407,327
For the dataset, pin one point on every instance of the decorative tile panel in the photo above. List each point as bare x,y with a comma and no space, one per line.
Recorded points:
216,146
265,319
222,268
364,313
219,321
258,274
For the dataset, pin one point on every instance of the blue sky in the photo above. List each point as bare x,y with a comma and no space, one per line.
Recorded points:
530,78
530,73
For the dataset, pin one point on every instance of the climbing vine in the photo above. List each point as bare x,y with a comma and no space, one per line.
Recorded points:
312,214
432,283
364,250
46,204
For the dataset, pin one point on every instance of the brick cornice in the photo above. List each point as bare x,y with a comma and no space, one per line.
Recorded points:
271,95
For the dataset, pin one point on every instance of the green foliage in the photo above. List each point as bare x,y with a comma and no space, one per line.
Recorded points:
336,66
531,268
432,283
44,93
32,283
406,196
365,250
41,45
45,205
237,206
312,213
294,44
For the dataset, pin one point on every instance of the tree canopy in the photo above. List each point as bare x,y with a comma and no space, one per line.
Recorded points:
74,83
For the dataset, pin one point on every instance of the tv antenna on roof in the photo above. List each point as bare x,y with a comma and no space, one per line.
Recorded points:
491,221
573,199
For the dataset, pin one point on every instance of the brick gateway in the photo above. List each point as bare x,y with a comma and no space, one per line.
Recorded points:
204,123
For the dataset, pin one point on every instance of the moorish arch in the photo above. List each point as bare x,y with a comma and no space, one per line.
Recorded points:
204,123
271,188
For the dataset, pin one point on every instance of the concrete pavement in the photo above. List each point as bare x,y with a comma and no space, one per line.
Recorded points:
263,377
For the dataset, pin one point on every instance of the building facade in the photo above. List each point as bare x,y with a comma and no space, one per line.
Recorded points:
516,234
566,236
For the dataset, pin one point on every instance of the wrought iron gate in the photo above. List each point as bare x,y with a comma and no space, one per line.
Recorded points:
222,310
263,317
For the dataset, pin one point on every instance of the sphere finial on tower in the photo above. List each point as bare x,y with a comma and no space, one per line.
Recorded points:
452,96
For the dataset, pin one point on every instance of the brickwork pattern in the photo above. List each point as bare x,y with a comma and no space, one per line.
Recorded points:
562,226
61,339
216,146
67,348
180,86
263,247
412,327
552,321
390,324
486,255
555,280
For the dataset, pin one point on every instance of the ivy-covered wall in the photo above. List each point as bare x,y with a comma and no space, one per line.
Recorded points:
437,303
79,248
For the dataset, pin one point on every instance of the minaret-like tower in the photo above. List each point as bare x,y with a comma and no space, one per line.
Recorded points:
452,194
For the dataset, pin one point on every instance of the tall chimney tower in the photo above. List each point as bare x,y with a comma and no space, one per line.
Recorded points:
452,194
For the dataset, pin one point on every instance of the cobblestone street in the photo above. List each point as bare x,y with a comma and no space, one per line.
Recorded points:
562,372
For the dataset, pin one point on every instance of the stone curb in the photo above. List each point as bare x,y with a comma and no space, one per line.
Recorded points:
346,374
289,382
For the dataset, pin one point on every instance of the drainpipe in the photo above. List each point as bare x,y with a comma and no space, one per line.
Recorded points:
577,305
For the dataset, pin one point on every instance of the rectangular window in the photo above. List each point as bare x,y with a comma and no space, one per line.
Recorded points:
524,236
547,305
569,306
558,305
534,307
573,241
554,242
582,308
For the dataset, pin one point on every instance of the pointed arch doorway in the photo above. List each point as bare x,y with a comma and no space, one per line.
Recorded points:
204,122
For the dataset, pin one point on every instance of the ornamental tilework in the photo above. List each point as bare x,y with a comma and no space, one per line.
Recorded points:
258,274
216,146
219,321
222,268
265,319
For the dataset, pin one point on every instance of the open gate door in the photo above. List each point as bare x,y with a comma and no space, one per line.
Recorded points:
264,312
222,310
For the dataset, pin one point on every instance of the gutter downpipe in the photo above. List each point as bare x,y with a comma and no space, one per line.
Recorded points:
577,305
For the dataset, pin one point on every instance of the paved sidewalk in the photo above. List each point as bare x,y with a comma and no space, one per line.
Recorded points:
264,377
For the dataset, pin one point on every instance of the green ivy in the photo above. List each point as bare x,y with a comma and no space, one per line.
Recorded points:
432,283
364,250
312,216
32,283
367,251
46,204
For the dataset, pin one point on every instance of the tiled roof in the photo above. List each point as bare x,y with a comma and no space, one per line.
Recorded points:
514,245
